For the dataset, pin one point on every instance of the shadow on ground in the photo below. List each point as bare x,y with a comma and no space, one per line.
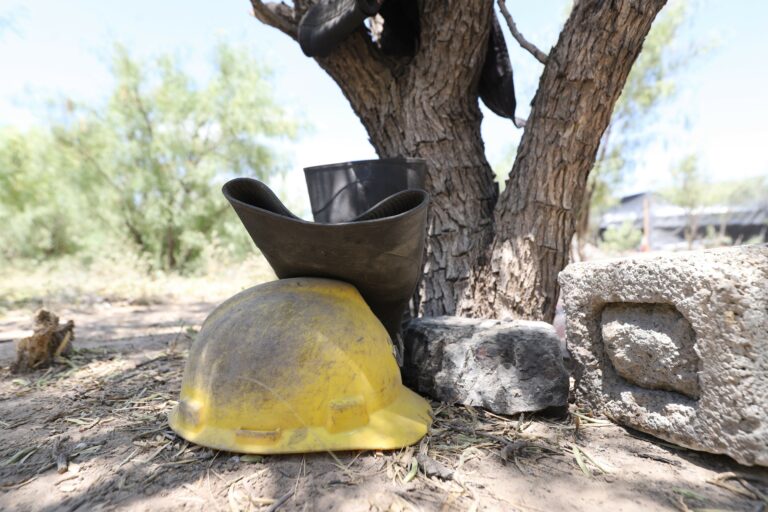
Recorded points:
105,412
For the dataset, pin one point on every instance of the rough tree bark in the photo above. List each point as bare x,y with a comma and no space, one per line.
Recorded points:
487,257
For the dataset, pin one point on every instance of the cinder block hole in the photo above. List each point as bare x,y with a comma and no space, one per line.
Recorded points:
652,346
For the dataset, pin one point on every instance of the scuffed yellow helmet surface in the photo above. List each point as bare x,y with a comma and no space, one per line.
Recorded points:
296,365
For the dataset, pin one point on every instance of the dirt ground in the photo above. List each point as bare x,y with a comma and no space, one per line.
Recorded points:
92,435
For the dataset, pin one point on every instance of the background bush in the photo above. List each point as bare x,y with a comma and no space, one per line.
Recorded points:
143,171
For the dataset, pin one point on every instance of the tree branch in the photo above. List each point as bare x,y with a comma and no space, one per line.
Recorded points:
280,16
538,54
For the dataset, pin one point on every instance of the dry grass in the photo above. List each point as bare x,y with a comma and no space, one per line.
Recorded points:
111,279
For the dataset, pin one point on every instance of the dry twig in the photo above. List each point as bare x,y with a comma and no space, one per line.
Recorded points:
527,45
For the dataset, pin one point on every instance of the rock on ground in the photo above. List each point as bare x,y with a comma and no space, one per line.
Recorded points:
676,345
507,367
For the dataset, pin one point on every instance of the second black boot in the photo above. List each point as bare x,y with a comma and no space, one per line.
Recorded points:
497,89
340,192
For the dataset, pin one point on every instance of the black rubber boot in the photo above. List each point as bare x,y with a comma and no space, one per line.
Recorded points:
379,252
327,23
340,192
401,32
497,89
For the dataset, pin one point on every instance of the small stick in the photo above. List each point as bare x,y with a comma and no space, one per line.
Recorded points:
63,345
279,503
62,463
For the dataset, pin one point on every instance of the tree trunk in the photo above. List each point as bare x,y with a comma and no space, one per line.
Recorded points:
534,218
487,257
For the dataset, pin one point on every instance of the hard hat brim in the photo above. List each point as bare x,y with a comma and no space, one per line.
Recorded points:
403,422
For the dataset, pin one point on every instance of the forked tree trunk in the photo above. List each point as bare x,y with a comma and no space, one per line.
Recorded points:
487,257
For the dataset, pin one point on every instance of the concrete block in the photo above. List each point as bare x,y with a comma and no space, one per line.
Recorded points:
676,345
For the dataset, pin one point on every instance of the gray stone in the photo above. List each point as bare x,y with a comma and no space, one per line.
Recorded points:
507,367
676,345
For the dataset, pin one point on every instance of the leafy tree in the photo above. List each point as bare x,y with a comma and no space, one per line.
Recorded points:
689,193
39,213
152,159
621,238
650,84
744,191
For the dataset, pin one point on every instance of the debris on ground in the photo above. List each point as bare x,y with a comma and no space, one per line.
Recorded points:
93,435
48,342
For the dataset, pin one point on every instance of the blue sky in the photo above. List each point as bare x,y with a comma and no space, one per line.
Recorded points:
55,49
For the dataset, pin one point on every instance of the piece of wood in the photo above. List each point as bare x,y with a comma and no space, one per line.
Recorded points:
48,341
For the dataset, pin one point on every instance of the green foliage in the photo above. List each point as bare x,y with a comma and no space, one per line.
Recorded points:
623,238
738,192
148,165
38,212
689,190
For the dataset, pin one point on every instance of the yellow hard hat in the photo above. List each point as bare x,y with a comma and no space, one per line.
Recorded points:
296,365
